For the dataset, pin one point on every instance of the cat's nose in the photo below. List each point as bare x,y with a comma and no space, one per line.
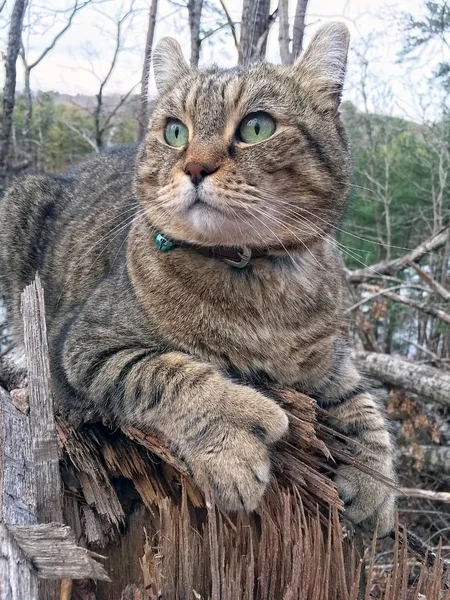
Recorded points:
198,171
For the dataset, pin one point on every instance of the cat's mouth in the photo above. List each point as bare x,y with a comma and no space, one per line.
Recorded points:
201,202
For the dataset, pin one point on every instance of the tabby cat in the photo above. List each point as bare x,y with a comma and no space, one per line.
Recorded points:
180,274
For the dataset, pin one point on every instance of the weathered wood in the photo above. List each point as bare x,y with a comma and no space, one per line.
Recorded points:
17,486
43,431
428,382
53,550
18,579
45,445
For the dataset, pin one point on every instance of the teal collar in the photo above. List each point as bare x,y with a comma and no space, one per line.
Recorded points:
236,257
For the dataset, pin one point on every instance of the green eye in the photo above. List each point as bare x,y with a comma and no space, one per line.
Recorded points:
176,133
256,127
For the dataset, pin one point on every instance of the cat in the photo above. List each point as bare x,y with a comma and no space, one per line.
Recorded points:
180,272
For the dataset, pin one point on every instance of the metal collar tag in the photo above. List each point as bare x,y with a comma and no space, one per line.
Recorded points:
245,255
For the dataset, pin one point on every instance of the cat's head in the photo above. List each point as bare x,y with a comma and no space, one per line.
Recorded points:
252,156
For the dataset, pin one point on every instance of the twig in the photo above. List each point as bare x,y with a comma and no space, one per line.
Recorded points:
422,306
432,283
435,358
230,22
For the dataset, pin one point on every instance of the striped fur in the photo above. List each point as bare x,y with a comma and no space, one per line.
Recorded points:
159,340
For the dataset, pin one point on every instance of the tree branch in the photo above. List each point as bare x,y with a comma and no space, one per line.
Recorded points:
390,267
432,283
76,8
422,306
230,22
426,494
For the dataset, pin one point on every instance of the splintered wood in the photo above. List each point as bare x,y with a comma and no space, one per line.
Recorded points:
30,486
129,497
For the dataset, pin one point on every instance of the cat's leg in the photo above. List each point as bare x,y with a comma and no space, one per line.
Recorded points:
355,412
221,429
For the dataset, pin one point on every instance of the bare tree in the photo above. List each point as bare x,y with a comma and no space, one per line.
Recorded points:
9,89
195,15
105,110
143,115
256,22
288,56
28,67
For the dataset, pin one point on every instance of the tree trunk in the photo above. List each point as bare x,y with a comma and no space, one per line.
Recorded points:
283,32
28,108
299,28
427,382
195,14
9,89
143,116
255,24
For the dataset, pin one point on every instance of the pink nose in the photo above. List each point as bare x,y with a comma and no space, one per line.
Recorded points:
198,171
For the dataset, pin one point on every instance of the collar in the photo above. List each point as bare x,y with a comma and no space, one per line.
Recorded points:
236,257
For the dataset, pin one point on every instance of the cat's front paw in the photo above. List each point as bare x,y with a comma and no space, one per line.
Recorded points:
234,461
368,502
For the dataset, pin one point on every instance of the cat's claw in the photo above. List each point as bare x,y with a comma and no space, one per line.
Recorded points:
368,502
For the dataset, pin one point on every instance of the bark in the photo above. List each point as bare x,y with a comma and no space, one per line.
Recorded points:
143,116
28,99
9,89
427,382
255,24
390,267
195,14
283,32
299,28
289,56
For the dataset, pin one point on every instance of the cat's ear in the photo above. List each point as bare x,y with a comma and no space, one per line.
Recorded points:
168,63
320,70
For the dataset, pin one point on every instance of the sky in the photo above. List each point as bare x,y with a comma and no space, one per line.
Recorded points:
83,55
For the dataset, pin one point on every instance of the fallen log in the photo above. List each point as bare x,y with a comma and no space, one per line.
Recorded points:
427,382
429,459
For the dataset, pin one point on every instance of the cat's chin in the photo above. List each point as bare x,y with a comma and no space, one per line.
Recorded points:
210,225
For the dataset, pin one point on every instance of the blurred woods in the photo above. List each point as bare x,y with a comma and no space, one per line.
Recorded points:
395,239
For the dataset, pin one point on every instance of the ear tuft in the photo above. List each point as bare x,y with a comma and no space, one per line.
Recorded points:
168,63
321,68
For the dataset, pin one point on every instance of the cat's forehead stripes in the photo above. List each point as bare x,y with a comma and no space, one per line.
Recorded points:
210,101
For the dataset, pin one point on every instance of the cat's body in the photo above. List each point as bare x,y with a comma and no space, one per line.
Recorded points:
167,339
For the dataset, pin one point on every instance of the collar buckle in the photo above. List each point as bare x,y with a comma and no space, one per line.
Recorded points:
245,257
